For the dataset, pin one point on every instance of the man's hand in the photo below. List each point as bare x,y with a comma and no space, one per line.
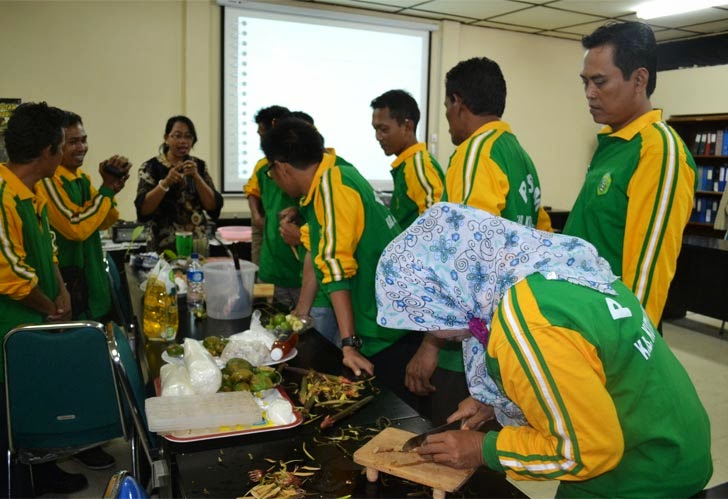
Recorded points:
472,413
459,449
420,369
290,233
115,172
357,362
63,307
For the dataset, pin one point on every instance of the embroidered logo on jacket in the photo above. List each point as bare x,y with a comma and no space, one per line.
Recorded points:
604,184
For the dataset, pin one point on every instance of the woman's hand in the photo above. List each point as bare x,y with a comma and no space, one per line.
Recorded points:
189,169
174,176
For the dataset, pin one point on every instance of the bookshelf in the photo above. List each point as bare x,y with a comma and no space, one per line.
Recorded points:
706,135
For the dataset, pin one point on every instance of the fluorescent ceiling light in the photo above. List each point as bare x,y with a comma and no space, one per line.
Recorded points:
663,8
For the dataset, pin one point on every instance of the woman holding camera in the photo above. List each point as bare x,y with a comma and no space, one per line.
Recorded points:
175,191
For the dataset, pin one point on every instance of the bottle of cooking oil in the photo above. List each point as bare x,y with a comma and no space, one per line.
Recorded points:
160,318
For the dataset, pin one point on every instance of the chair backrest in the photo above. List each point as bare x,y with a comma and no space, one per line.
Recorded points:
61,387
122,485
120,299
129,383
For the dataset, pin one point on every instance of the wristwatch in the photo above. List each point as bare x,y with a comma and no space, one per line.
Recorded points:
351,341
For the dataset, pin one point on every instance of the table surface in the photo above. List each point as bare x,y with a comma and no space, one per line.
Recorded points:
219,467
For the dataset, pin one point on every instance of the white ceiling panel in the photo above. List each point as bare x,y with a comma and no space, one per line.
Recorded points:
607,9
713,27
700,16
472,9
564,18
545,18
507,27
436,15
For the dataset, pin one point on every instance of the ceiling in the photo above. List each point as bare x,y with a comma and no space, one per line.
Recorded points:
569,19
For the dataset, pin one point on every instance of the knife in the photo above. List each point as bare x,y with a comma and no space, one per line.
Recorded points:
418,440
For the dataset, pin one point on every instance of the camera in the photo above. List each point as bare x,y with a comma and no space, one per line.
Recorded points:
113,170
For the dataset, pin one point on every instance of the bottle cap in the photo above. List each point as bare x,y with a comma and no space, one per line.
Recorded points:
195,256
276,353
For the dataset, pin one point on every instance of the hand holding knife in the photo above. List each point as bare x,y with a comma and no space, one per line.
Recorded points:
418,440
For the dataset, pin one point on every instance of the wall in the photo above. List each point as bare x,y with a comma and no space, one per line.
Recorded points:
545,105
126,66
692,91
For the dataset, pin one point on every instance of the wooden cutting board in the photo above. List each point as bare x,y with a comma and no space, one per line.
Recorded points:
383,453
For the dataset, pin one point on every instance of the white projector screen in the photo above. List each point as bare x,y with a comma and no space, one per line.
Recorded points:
329,68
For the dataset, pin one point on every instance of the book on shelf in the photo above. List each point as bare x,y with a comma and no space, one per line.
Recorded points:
719,143
724,152
700,141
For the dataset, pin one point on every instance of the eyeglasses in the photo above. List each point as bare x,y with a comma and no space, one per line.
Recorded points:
181,136
269,169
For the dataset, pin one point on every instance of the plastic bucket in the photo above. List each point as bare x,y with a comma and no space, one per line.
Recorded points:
229,295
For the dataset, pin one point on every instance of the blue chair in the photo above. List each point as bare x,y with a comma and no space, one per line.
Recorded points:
63,393
123,486
132,390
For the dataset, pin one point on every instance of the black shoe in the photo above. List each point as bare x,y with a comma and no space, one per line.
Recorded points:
48,478
95,458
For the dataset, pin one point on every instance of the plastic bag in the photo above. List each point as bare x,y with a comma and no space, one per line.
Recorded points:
205,376
175,380
252,345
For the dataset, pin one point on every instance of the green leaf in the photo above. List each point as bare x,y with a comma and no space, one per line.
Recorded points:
136,232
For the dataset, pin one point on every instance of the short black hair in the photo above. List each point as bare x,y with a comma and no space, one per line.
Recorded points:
302,115
293,141
402,106
70,118
32,127
480,84
170,124
634,47
267,115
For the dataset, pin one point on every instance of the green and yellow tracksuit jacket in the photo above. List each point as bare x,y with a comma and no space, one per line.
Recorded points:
279,262
491,171
77,211
611,411
27,256
418,184
635,203
348,228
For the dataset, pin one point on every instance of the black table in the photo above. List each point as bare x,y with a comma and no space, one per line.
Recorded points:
219,467
701,279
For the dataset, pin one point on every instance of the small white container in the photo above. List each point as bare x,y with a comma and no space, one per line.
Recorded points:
229,293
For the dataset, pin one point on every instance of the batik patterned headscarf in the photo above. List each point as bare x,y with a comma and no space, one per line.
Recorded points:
453,265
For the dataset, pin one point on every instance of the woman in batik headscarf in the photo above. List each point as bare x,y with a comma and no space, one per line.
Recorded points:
557,348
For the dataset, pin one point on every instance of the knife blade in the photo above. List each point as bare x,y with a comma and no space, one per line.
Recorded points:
418,440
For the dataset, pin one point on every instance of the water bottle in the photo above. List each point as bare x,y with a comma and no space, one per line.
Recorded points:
195,286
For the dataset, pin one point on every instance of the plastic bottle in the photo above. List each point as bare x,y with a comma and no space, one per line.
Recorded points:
283,346
195,285
160,316
155,310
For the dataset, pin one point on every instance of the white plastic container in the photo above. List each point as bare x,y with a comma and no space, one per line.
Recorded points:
229,293
212,410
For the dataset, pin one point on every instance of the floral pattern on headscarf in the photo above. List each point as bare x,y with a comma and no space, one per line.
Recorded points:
455,263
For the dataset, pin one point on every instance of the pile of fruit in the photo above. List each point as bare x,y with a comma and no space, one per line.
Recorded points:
285,323
240,375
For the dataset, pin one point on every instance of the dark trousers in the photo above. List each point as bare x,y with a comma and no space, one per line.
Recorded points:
390,366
